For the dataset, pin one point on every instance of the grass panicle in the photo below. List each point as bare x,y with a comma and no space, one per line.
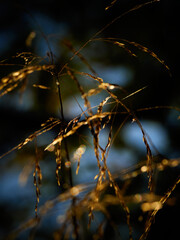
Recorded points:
88,199
37,175
12,81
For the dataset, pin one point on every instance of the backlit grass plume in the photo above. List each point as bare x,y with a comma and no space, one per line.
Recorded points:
107,190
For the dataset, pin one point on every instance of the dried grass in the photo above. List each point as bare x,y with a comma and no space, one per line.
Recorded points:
96,200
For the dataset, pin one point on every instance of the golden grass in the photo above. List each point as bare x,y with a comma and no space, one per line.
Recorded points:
96,199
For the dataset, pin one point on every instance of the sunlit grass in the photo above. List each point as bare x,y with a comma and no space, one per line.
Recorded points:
104,190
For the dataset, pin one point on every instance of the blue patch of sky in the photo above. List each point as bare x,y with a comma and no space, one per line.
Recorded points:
10,182
72,109
132,135
120,75
117,159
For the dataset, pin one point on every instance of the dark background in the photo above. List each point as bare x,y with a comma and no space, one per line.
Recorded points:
155,26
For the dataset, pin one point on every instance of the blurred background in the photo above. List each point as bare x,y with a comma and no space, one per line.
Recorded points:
39,27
